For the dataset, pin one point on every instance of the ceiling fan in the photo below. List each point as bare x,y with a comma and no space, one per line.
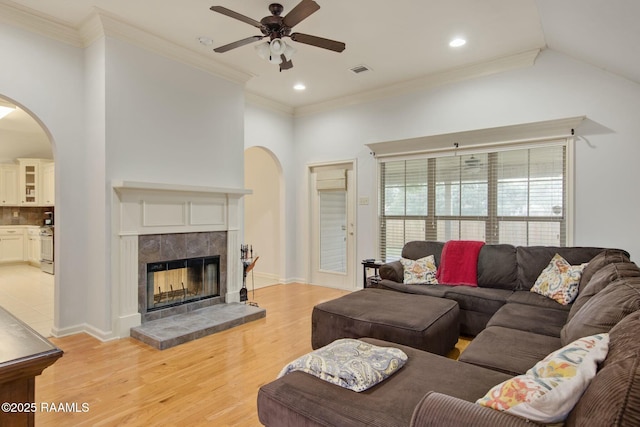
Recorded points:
276,27
473,164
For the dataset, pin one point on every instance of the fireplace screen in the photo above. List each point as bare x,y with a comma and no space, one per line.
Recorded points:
171,283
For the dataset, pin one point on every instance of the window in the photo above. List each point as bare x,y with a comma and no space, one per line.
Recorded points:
515,196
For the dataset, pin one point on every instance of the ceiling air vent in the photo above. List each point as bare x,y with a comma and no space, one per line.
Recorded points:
359,69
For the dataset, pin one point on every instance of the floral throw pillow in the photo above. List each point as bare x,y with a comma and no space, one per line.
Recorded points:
547,392
559,280
420,271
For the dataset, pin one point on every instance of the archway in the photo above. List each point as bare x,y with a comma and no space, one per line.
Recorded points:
27,186
264,215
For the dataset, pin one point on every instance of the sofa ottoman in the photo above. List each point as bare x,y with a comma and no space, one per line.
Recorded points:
418,321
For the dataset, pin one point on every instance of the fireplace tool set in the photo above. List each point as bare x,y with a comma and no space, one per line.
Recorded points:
248,262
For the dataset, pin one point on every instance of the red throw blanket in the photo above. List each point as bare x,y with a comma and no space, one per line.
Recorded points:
459,263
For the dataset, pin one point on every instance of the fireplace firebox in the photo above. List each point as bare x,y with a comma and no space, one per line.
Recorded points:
175,282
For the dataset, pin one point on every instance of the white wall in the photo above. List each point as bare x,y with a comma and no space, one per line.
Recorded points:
274,131
262,212
555,87
115,111
45,77
168,123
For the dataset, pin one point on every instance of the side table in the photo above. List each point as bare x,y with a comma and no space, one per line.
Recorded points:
375,265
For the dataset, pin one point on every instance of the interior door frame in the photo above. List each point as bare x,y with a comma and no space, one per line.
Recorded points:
352,274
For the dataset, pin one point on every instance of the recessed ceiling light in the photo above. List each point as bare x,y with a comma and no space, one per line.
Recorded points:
205,41
299,87
457,42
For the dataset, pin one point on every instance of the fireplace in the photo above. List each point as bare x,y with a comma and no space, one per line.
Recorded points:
161,223
181,272
175,282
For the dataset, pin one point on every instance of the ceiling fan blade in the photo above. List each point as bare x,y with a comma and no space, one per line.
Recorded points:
236,15
228,47
301,11
318,42
286,64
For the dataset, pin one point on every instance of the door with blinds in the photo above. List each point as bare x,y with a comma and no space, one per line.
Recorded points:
331,202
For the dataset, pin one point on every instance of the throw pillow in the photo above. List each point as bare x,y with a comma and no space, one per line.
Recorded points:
420,271
547,392
350,363
559,280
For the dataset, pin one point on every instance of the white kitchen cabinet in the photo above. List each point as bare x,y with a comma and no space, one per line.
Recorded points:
48,184
11,245
9,185
33,245
36,185
29,181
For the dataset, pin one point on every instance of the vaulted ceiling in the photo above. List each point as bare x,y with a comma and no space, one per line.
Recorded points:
400,42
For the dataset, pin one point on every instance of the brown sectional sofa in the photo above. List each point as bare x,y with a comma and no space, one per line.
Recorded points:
506,273
515,329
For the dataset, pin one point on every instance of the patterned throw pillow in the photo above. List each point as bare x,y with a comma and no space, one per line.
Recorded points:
350,363
547,392
420,271
559,280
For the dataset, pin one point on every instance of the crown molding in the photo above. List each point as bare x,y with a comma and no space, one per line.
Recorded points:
113,26
520,60
267,103
100,24
39,23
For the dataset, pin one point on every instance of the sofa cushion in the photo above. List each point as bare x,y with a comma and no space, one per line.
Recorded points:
600,280
559,280
536,300
419,271
508,350
613,397
393,271
605,257
483,300
497,267
421,248
299,399
533,259
604,310
539,320
548,391
430,290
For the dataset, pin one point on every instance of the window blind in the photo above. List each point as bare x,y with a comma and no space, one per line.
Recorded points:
515,196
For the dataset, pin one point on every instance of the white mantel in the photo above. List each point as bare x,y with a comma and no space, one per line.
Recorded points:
141,208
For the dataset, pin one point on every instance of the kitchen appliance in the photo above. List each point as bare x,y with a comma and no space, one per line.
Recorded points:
46,249
48,218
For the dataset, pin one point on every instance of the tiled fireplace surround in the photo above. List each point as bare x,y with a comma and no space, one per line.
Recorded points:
166,247
158,222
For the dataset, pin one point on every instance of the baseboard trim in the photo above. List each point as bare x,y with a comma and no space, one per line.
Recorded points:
99,334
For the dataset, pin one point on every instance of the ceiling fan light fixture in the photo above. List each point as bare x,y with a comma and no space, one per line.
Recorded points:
275,59
263,50
289,52
278,47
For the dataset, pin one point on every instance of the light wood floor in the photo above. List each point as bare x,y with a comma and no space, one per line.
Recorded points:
210,381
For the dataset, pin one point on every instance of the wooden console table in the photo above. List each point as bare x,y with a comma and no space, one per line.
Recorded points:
24,354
